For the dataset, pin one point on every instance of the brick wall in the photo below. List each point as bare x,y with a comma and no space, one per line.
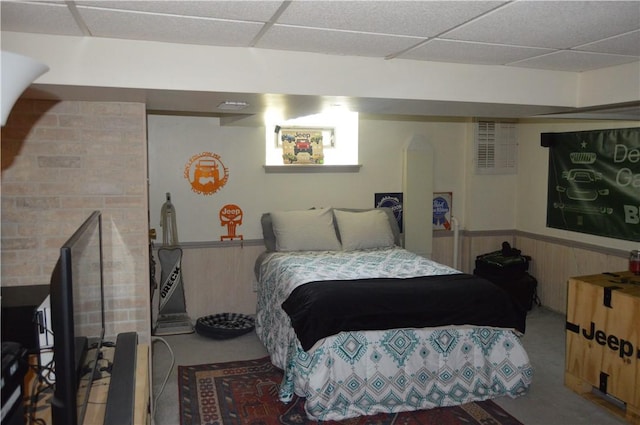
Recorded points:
60,161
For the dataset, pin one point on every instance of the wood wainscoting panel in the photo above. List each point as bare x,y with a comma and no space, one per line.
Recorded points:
218,279
443,248
553,263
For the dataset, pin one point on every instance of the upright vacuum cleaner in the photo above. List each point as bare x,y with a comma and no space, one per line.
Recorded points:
172,311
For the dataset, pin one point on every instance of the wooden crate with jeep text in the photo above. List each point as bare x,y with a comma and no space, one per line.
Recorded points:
603,341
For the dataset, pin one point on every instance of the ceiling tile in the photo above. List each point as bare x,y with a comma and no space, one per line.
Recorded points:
284,37
626,44
553,24
571,60
173,29
38,18
236,10
469,52
416,18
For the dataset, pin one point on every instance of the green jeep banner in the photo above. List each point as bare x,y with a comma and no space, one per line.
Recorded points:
594,182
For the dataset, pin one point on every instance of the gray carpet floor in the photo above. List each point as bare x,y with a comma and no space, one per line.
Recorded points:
548,402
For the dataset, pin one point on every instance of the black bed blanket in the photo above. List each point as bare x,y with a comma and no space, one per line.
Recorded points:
321,309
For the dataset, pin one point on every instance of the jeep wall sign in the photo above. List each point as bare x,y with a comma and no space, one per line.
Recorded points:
231,217
302,146
594,182
206,173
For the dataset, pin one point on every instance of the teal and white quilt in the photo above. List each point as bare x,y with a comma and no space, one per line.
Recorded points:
367,372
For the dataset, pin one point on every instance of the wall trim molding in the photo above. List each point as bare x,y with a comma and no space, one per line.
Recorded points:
215,244
574,244
508,233
544,238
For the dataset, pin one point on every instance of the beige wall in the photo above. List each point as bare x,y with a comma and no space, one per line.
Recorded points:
480,202
173,140
60,161
490,209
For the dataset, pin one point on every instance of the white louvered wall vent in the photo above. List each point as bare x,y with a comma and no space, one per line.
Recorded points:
496,147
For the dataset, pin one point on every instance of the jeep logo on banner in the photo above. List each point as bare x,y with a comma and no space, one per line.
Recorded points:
594,182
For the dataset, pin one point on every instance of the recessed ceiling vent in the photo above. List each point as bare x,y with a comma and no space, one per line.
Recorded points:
496,150
229,105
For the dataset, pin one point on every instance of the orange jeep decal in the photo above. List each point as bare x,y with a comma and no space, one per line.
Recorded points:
231,216
203,172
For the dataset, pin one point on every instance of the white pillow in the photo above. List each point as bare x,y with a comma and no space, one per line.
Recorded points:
363,230
306,230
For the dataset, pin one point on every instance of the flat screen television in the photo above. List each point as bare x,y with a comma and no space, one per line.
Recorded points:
77,320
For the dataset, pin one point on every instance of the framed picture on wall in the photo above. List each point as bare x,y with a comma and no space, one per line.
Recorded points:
301,145
442,210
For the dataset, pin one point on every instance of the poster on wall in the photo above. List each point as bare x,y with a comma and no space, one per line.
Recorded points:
442,210
302,146
594,182
391,200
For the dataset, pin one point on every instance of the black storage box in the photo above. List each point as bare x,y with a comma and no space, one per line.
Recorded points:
507,268
20,313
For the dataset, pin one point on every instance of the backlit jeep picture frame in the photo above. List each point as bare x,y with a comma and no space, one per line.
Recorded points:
302,146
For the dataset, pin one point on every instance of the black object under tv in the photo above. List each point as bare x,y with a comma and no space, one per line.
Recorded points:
77,316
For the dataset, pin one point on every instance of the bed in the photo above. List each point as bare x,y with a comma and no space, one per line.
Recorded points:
360,325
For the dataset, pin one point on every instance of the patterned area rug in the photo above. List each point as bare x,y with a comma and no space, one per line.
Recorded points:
246,392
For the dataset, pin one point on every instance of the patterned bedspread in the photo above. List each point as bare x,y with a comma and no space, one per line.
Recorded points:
367,372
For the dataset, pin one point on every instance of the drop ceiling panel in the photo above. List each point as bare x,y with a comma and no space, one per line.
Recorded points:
470,52
416,18
284,37
625,44
176,29
38,18
554,24
571,60
235,10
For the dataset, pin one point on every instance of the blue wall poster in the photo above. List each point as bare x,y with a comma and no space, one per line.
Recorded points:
442,210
